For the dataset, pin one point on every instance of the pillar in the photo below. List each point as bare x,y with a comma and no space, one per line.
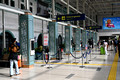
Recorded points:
68,39
78,39
53,37
27,39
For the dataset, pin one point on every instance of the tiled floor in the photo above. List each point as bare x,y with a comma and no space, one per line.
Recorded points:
95,70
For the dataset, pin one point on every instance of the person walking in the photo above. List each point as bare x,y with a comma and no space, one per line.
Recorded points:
13,57
119,46
115,44
105,45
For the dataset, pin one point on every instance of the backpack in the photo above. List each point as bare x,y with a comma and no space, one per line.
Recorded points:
13,48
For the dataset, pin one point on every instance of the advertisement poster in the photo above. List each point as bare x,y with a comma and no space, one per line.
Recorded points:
111,23
45,39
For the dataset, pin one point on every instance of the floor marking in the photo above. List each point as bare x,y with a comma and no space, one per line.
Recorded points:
113,71
77,64
69,76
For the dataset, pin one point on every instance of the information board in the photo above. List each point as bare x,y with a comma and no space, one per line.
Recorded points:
70,17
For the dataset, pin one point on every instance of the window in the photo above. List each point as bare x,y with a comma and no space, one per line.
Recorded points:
6,2
22,6
31,9
12,3
0,1
31,3
22,0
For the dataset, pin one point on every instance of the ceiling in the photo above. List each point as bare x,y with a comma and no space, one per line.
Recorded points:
100,7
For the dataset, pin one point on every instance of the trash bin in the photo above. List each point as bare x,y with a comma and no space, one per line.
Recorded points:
102,50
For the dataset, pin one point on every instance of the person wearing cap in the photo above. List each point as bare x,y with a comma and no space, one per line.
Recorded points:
13,57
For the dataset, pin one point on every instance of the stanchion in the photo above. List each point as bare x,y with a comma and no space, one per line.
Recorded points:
82,60
86,59
49,67
90,56
43,60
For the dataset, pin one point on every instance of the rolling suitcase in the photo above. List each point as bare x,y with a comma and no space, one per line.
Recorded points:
102,50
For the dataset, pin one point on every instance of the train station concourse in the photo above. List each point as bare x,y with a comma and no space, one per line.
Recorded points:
59,39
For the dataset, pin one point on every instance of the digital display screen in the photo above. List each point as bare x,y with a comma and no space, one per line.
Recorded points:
111,23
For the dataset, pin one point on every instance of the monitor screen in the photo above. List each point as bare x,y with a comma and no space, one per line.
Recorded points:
111,23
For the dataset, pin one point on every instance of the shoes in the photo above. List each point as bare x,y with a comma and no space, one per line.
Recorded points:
11,75
18,74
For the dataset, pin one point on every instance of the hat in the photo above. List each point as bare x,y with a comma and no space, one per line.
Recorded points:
13,40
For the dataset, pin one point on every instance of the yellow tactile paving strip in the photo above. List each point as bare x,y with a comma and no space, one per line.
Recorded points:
77,64
113,71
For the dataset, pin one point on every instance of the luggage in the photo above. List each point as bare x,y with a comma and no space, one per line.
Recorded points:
102,50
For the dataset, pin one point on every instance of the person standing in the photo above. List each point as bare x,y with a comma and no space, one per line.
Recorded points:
115,44
119,46
13,57
105,45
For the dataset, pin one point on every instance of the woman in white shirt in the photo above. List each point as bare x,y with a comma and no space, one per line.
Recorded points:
105,45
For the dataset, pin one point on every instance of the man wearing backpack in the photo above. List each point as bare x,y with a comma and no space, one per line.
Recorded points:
13,58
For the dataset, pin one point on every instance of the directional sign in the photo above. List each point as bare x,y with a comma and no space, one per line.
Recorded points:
71,17
93,27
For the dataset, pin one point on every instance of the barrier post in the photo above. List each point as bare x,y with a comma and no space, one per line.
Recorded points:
49,67
82,60
90,56
86,58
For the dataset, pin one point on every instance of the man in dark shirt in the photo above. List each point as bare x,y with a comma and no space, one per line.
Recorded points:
119,46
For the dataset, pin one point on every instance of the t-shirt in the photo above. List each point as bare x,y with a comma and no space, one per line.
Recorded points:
105,44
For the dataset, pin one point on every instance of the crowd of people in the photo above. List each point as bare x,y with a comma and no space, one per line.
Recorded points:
111,44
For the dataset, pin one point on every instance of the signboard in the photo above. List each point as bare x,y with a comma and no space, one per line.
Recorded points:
111,23
45,39
70,17
93,27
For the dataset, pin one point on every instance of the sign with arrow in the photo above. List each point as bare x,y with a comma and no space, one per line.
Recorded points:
70,17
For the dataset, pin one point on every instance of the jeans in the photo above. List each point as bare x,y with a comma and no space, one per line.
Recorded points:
16,67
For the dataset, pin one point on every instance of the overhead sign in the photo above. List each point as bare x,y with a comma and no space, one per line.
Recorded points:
70,17
45,39
93,27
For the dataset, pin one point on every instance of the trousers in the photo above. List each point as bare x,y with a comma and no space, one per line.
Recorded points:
16,67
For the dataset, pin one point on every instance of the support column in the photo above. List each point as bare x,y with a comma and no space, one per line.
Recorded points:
68,10
84,12
78,39
92,17
53,9
68,39
27,39
53,37
3,26
19,3
77,6
27,5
